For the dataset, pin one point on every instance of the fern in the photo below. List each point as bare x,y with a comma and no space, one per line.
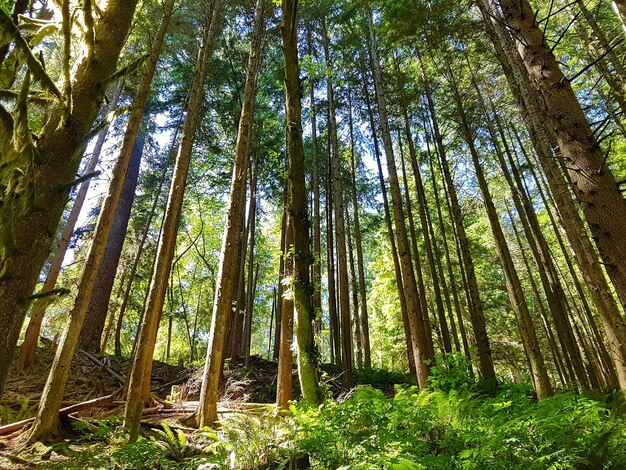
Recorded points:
175,445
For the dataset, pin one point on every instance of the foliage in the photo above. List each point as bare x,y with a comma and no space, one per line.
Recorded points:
10,415
382,378
451,372
251,441
106,448
456,429
174,445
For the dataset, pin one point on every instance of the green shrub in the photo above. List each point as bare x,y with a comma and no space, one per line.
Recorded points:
459,430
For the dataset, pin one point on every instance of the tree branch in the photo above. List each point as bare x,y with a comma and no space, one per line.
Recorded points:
33,63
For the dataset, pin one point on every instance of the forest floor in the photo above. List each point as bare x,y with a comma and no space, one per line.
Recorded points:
176,390
383,423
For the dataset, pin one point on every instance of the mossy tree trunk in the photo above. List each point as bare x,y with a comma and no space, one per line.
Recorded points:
304,314
40,175
28,349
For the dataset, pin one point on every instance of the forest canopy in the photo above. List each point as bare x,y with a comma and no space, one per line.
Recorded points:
260,234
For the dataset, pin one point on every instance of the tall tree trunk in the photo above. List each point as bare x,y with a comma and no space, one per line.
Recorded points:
421,350
231,239
541,251
606,357
91,333
281,276
142,243
594,184
354,289
304,314
106,334
236,319
390,232
416,256
31,218
453,285
422,205
364,320
442,279
333,318
554,349
252,214
477,317
28,349
317,227
428,247
585,254
340,226
139,380
284,381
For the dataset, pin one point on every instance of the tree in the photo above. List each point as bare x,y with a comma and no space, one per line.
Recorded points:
28,348
582,157
304,314
421,347
139,379
340,225
50,162
232,238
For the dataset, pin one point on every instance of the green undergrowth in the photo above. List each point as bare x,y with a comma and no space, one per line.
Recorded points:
453,426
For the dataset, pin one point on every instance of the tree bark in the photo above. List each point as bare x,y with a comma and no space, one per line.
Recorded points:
280,289
333,318
340,226
231,239
252,214
28,350
317,228
584,252
453,284
354,289
30,217
304,314
416,256
140,248
594,184
421,350
284,381
541,251
365,331
91,333
139,380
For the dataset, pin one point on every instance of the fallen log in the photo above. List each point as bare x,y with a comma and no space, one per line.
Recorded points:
120,378
85,405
